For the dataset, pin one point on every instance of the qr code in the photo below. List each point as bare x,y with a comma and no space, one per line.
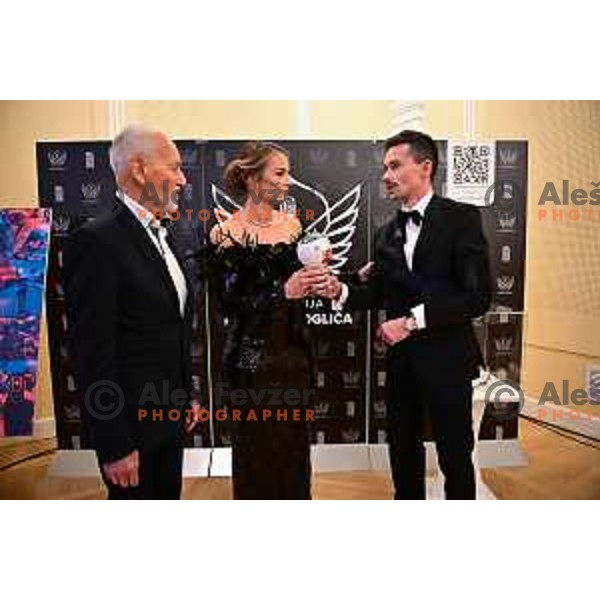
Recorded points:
471,165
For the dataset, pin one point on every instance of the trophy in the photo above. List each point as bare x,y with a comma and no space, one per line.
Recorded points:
313,249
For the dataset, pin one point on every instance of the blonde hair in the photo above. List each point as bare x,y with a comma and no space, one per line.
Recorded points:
248,162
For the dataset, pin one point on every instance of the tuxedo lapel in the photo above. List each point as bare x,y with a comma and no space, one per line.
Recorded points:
392,248
145,245
429,230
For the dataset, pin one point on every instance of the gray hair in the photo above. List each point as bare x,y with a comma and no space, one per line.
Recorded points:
132,141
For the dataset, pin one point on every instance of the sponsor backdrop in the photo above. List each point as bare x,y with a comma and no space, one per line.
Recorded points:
337,189
24,240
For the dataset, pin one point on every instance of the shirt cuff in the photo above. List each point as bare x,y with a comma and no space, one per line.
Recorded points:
339,303
418,312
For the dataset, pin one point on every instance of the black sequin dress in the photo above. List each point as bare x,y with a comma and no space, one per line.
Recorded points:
267,361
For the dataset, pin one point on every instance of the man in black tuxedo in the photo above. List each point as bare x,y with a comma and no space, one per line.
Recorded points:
128,302
431,274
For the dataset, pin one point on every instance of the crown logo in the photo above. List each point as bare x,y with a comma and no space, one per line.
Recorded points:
506,283
508,157
57,158
507,220
91,191
322,409
350,436
504,345
351,378
318,156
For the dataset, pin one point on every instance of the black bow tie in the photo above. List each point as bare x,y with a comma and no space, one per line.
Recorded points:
405,216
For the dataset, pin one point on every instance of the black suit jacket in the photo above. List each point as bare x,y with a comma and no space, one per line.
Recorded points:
450,276
125,328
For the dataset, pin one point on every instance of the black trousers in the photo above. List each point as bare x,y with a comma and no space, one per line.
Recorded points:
159,476
448,405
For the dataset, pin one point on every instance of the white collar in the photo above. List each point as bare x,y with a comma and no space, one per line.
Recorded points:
143,215
421,205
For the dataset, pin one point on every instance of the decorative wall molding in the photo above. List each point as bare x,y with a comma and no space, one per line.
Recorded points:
407,114
303,122
116,117
469,119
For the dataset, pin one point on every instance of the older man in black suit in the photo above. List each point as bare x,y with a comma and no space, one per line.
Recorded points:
128,302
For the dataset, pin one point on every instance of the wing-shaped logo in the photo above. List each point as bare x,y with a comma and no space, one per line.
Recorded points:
61,223
224,206
335,220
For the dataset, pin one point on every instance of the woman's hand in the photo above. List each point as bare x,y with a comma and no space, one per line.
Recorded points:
305,282
331,288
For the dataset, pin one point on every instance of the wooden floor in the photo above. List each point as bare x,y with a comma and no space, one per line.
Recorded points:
558,469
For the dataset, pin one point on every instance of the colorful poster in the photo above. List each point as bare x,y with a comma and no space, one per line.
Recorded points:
24,242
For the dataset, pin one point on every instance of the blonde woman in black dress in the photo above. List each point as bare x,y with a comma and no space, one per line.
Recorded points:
260,289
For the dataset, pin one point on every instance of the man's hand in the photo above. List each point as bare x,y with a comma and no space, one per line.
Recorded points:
365,272
125,471
305,281
394,331
192,416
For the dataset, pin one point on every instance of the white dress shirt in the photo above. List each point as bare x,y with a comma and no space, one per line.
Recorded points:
148,221
412,237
